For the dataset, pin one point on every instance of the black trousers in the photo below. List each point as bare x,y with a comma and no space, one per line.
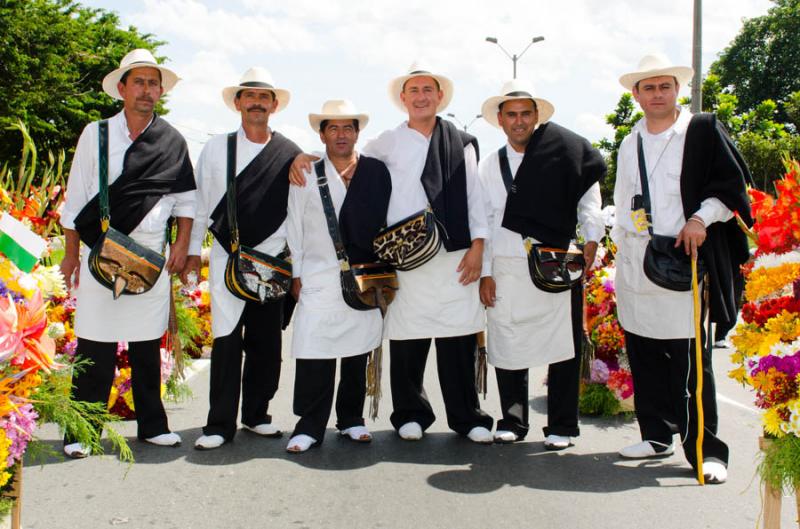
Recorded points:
563,387
455,361
313,394
258,336
664,398
93,383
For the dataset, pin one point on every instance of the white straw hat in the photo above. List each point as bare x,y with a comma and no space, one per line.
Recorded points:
338,109
511,90
656,65
138,58
256,78
420,69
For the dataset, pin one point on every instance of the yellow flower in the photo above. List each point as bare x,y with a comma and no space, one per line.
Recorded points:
766,281
739,374
772,422
786,325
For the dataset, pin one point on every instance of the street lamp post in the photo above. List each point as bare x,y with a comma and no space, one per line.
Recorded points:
514,57
468,125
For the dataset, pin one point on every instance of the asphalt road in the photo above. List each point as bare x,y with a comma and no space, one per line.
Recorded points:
442,482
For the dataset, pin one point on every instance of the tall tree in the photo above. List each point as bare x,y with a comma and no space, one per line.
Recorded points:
53,57
763,61
622,119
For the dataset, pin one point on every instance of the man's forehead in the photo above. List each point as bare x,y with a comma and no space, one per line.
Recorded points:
517,105
257,91
143,72
420,81
661,79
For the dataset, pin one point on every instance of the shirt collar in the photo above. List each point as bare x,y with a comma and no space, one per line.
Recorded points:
679,127
122,123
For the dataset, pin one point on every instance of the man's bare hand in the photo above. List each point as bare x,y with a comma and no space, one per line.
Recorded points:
471,264
488,291
589,253
301,164
692,236
71,270
297,286
192,266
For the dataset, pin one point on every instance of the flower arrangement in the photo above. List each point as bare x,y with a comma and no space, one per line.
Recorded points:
767,337
608,389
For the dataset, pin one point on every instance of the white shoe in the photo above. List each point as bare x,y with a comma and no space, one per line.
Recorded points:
209,442
556,442
264,429
410,431
300,443
645,449
714,473
722,344
77,450
505,436
480,435
165,439
359,434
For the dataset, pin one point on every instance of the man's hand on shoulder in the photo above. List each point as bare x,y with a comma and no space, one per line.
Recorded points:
301,164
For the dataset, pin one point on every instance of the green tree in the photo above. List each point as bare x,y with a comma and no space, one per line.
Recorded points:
763,61
53,57
622,119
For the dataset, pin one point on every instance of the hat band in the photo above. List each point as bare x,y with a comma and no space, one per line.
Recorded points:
256,84
416,72
141,63
519,93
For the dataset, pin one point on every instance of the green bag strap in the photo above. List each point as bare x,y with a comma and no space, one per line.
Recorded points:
102,144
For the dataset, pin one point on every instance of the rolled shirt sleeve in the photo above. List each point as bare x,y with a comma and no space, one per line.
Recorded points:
713,210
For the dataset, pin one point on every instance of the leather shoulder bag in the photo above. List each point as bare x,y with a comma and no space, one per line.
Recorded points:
364,286
552,269
251,275
664,264
116,261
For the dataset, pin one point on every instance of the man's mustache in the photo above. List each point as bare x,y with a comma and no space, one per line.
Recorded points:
257,107
146,99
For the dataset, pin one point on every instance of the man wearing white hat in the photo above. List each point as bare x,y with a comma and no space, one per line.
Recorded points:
433,165
357,190
260,159
694,180
150,180
542,183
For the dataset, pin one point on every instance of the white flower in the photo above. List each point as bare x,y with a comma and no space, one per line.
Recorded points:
56,330
772,260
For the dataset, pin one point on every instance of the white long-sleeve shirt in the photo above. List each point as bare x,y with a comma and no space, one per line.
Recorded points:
506,243
98,316
211,175
324,326
404,151
641,304
663,153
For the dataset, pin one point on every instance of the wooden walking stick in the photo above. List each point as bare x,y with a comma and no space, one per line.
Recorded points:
698,393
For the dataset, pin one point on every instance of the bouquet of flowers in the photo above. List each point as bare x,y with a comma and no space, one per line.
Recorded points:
608,389
767,338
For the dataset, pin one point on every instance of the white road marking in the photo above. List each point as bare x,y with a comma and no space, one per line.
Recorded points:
736,404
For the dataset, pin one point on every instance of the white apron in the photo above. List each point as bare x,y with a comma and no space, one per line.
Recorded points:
130,318
431,303
527,327
325,327
643,307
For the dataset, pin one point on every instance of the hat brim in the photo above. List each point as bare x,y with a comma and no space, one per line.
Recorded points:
229,95
168,78
682,73
445,84
491,107
315,120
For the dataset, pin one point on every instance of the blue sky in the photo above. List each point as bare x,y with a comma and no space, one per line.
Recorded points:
351,49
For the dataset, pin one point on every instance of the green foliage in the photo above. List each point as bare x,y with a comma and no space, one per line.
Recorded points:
81,420
177,389
780,464
597,399
763,61
622,119
53,57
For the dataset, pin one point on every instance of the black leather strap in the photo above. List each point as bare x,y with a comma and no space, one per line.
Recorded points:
505,169
330,214
645,184
230,193
102,144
